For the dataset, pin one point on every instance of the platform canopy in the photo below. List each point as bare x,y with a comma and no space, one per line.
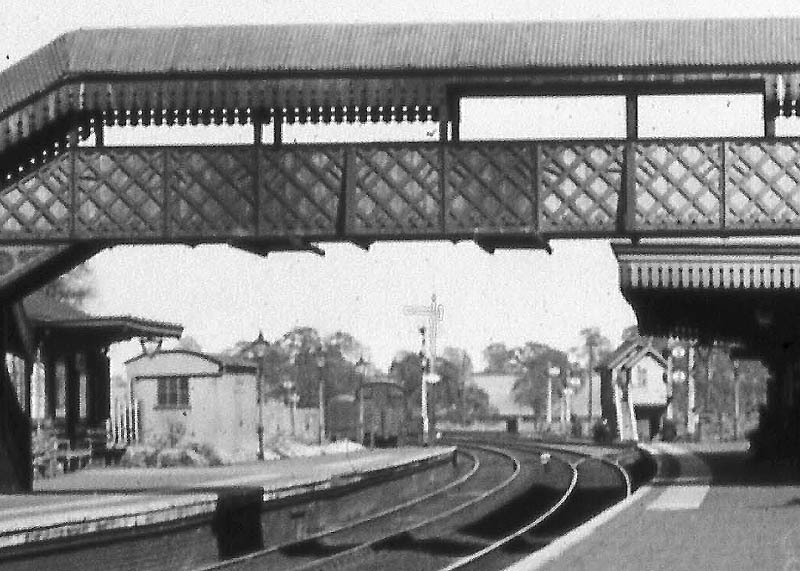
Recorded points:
380,72
741,293
72,326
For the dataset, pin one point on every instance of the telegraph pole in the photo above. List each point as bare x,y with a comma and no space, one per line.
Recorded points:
435,313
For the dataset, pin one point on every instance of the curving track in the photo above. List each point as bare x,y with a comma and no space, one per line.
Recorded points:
506,506
492,472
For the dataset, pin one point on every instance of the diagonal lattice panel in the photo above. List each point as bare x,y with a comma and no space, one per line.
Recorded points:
677,186
211,191
396,190
762,184
120,192
490,186
299,190
38,204
579,186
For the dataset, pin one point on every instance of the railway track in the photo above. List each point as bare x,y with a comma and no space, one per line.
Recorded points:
509,504
491,472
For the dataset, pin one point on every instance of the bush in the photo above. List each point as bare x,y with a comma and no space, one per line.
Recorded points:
601,433
209,453
172,457
669,431
140,456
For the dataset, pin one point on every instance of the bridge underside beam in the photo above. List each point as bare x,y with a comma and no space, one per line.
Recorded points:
499,193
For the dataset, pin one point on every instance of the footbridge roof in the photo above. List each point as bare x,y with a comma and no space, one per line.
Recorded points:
122,70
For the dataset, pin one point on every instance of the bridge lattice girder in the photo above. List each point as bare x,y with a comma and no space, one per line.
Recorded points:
489,191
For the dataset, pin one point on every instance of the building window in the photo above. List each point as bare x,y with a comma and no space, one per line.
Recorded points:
173,392
640,378
61,389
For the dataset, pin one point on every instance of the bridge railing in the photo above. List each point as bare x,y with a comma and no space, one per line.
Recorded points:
560,189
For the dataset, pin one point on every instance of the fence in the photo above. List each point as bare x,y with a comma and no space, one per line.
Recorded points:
123,426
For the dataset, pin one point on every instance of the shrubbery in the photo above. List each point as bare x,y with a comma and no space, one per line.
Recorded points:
669,431
601,433
156,455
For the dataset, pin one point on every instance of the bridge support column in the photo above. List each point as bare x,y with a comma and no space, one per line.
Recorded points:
778,436
16,472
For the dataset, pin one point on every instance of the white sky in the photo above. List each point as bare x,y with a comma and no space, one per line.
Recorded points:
222,295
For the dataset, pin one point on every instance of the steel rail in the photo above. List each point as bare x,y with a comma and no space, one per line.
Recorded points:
475,557
561,448
461,563
248,557
341,557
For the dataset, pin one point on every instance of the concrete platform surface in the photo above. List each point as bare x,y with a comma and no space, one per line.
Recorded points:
99,499
715,508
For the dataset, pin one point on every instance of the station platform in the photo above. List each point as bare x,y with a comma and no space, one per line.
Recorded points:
119,499
711,507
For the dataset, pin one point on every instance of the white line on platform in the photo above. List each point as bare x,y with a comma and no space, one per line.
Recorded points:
64,505
680,498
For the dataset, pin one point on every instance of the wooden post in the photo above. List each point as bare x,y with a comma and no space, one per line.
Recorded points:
735,400
50,382
690,404
626,207
767,107
360,434
454,107
99,131
72,382
321,397
277,127
258,134
444,122
73,179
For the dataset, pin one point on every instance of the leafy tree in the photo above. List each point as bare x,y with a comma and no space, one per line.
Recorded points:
499,358
303,357
715,382
74,287
406,371
530,388
594,347
341,353
476,403
630,333
454,367
189,343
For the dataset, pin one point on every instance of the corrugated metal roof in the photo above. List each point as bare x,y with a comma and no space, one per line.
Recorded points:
42,309
461,46
468,47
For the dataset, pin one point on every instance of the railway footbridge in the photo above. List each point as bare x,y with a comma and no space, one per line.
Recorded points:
65,194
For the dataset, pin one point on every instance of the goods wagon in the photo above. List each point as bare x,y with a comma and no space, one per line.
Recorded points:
383,415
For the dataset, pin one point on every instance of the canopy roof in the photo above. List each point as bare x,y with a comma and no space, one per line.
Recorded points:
361,72
727,292
223,363
630,352
47,313
470,47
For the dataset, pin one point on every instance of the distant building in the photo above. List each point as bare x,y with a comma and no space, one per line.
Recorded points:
183,395
195,397
499,387
634,389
